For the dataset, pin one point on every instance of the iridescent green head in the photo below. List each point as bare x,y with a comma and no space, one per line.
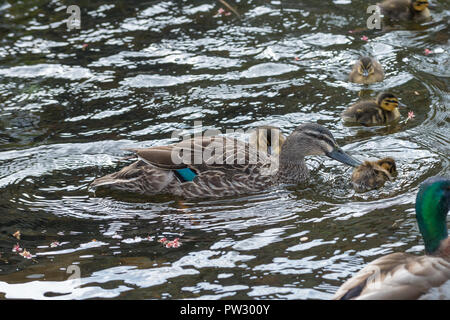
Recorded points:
432,206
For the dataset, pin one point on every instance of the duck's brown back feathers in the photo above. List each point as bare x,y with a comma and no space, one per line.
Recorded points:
397,276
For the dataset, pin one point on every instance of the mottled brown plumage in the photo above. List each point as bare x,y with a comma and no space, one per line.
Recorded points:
366,70
373,112
373,174
398,276
405,10
224,166
402,276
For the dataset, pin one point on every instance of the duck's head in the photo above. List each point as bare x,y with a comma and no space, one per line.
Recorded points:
388,164
267,139
388,101
432,206
419,5
365,67
313,139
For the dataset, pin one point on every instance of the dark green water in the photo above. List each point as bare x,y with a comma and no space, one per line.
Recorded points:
150,67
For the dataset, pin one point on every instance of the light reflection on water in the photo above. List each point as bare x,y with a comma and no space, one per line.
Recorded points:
67,113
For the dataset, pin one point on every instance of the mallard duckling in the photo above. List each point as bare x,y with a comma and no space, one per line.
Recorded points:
371,112
366,70
403,276
405,10
373,174
207,167
267,139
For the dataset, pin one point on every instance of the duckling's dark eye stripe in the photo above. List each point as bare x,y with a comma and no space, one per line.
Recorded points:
392,101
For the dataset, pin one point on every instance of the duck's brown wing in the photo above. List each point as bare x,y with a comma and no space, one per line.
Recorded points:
202,153
138,177
160,157
398,276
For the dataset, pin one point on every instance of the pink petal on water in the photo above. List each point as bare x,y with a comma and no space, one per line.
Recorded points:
162,240
54,244
16,248
364,38
427,51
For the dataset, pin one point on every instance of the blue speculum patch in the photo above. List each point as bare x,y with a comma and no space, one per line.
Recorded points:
186,174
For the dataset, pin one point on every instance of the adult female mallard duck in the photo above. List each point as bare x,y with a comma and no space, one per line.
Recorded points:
366,70
372,112
219,166
373,174
406,276
405,10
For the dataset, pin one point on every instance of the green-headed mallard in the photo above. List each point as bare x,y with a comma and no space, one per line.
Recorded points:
366,70
405,10
219,166
372,112
373,174
406,276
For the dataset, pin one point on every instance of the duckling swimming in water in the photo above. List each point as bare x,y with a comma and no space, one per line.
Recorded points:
218,172
372,112
373,174
403,276
405,10
366,70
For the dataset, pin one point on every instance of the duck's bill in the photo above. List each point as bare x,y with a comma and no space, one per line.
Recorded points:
401,105
341,156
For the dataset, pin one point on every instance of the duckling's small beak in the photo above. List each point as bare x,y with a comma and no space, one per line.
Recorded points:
401,105
365,73
341,156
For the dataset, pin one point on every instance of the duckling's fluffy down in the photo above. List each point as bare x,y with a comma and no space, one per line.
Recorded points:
373,174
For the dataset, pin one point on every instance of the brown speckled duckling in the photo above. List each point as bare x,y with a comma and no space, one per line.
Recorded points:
373,174
374,112
405,10
366,70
